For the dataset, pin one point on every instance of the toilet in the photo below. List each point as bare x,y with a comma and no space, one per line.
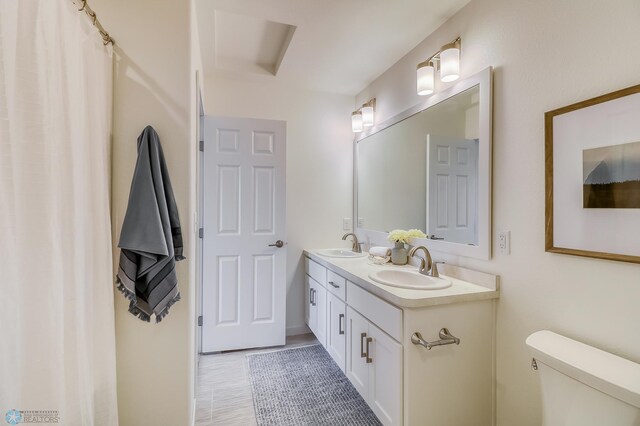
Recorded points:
582,385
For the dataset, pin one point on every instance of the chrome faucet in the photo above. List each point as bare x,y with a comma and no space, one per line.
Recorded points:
429,268
356,246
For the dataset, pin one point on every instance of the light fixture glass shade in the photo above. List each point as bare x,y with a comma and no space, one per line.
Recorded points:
367,116
356,122
450,62
425,78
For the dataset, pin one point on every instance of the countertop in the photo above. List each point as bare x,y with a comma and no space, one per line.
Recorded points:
467,285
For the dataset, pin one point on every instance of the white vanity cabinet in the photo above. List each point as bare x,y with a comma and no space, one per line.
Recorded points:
374,367
368,329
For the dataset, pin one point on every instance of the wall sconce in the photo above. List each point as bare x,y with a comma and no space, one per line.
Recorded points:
447,60
367,113
426,74
356,121
363,117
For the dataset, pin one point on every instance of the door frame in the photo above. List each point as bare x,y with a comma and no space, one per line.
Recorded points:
199,213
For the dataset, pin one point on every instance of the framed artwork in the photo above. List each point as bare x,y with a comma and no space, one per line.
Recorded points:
592,177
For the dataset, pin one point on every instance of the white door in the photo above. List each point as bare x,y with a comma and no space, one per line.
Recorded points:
357,367
452,182
385,377
244,285
336,325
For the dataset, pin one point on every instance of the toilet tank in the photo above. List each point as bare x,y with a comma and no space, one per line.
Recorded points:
582,385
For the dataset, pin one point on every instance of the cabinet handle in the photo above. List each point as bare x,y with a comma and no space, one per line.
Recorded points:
369,359
334,285
363,354
340,324
311,296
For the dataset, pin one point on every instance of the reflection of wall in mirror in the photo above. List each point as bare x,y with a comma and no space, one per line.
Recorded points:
392,167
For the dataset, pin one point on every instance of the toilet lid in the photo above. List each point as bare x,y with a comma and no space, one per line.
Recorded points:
609,373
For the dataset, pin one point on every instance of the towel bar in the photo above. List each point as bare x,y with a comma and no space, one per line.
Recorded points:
446,338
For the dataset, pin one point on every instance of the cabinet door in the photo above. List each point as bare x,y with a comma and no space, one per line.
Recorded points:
312,297
307,300
320,301
385,377
336,326
356,366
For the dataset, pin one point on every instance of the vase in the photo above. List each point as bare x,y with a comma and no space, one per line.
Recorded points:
399,254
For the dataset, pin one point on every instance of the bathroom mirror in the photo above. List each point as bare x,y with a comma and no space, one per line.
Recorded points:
430,168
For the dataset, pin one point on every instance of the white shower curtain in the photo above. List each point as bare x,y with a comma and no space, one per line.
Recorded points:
57,350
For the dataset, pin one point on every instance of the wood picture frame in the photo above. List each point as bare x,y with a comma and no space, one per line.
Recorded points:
602,122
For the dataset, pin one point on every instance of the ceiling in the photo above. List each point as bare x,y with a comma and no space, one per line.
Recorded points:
337,46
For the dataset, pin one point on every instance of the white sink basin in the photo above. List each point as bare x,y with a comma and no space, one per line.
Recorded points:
338,252
408,279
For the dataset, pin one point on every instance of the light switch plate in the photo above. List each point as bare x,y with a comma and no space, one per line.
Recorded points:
346,224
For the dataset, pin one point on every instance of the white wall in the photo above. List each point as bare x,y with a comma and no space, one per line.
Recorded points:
153,85
319,165
546,54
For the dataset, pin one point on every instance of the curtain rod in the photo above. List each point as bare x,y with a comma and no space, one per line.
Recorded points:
106,38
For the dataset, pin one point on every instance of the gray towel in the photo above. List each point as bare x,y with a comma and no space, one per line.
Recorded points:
150,240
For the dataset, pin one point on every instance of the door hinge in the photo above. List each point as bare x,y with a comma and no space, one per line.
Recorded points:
200,321
201,233
202,146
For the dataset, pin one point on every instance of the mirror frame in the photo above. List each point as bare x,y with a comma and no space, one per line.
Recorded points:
483,79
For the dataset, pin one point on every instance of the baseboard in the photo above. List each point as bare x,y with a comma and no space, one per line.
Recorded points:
298,329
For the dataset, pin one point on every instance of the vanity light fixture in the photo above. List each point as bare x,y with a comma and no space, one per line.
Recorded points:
447,60
450,61
364,116
367,113
426,74
356,121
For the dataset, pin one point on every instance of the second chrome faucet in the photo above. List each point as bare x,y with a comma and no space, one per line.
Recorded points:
429,268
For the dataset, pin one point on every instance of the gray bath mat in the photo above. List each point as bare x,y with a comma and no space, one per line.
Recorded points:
303,386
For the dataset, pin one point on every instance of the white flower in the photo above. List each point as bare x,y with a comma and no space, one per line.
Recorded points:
402,236
415,233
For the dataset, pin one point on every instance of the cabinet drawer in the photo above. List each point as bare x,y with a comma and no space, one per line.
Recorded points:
384,315
316,271
336,284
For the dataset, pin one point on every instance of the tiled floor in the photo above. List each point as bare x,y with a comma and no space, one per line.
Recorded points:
224,392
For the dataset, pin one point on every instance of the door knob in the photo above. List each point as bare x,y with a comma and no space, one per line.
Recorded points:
278,244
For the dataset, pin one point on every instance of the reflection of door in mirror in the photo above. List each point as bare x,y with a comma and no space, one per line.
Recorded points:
452,164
